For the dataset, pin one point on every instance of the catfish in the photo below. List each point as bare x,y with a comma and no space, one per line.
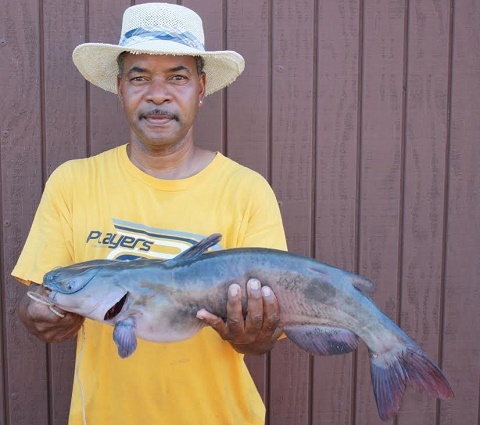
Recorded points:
323,309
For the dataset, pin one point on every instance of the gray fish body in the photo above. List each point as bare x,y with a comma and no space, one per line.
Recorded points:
322,309
308,292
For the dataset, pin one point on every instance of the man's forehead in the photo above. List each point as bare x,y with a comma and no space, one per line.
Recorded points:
168,61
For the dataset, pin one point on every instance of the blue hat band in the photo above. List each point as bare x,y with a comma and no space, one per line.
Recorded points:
138,35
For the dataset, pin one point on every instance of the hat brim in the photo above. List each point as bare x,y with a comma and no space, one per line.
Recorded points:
97,62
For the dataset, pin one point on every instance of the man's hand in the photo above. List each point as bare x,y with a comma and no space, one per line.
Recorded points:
258,332
43,323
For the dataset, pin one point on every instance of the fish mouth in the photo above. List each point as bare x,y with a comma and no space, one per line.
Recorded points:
48,293
116,308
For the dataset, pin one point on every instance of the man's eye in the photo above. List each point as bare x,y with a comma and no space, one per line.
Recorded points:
137,79
179,78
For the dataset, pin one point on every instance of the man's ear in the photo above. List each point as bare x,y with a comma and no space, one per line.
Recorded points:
203,84
119,90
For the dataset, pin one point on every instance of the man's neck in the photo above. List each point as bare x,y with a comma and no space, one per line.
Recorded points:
170,164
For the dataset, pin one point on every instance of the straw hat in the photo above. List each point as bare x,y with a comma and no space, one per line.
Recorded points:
158,29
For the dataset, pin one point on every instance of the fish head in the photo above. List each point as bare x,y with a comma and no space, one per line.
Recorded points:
89,290
68,280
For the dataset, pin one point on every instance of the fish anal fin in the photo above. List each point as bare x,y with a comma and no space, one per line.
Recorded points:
392,372
125,338
322,340
198,249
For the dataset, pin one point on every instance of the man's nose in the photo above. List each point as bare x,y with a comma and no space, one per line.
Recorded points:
158,92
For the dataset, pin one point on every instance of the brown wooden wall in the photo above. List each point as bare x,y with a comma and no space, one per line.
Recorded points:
365,117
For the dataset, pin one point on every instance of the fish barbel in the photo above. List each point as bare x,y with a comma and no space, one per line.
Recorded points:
323,309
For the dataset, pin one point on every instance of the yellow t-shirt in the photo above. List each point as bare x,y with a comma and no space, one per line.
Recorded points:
105,207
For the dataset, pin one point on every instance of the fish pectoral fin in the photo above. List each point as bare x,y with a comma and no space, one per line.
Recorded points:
125,338
198,249
322,340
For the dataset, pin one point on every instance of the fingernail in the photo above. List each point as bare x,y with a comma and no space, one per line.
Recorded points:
254,284
266,291
200,314
233,290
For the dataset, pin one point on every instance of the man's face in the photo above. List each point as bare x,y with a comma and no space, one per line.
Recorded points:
160,96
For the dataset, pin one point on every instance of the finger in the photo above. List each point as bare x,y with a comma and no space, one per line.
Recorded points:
254,319
271,316
42,313
235,321
215,322
67,328
38,308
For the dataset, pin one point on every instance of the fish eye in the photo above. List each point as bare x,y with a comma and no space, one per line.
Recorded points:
70,285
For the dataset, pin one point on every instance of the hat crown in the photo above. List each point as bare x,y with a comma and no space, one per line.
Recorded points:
179,22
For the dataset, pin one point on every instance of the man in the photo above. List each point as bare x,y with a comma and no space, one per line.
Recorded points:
154,197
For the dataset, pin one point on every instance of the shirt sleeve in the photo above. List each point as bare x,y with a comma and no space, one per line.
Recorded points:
263,226
49,242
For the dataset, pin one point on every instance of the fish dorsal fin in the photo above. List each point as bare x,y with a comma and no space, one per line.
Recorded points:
199,248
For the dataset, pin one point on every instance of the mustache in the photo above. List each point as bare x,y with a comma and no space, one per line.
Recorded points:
159,113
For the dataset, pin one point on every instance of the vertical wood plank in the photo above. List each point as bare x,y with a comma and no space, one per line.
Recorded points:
65,138
292,117
461,343
381,171
4,16
65,117
336,187
248,105
106,123
209,128
247,115
21,179
61,367
292,152
425,149
3,362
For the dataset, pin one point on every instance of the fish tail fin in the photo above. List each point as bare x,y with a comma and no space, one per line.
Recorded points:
391,373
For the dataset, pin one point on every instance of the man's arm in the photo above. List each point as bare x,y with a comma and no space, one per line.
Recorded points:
258,332
43,323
